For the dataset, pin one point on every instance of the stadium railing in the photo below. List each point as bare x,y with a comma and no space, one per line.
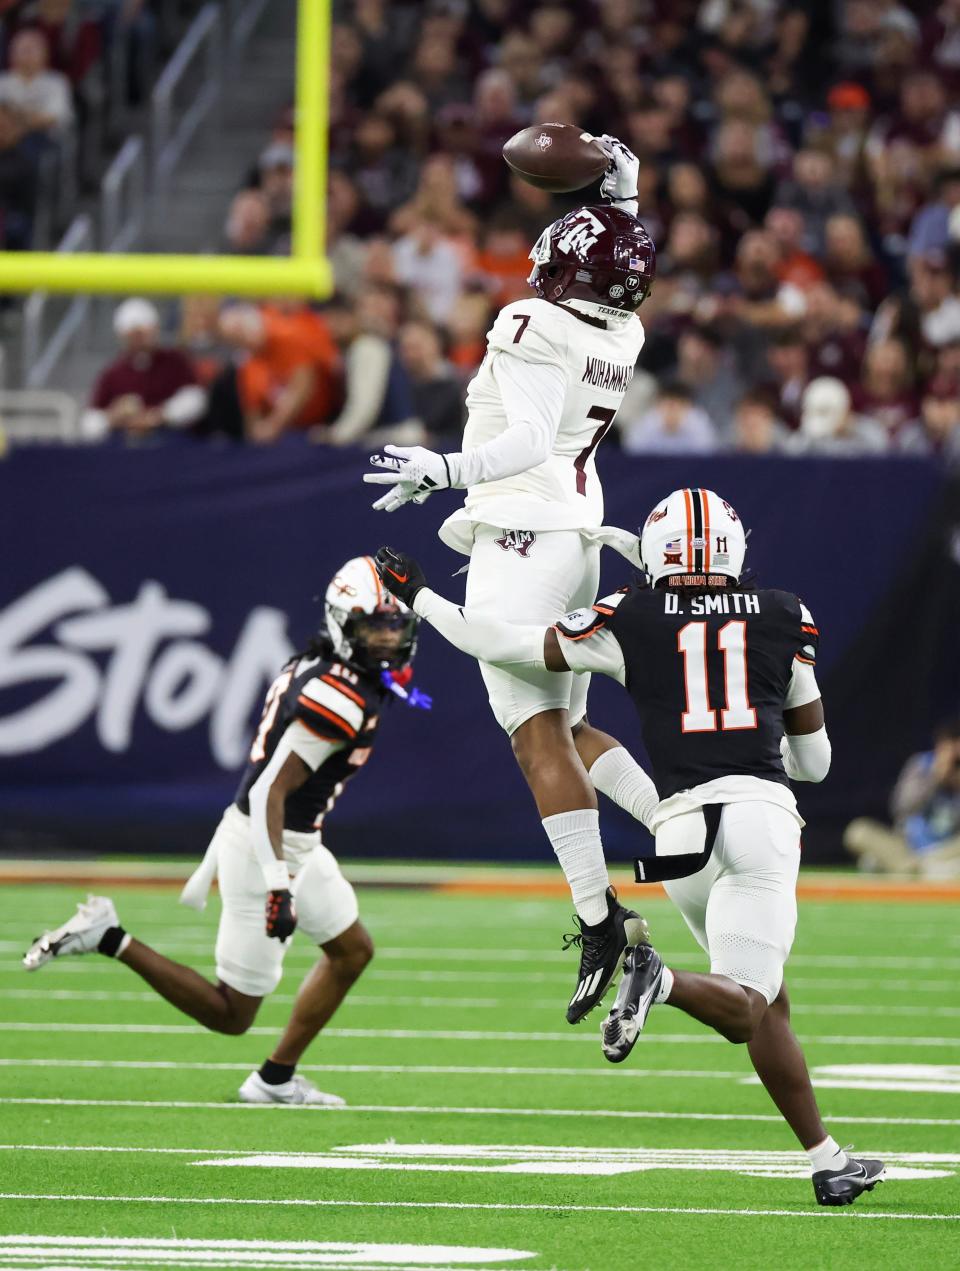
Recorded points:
40,353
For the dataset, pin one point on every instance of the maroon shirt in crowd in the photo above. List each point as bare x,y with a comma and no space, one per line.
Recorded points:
153,376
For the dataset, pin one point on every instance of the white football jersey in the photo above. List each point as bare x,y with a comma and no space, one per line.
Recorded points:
563,492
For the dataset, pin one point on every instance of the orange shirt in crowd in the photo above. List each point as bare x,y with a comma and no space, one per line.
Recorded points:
292,340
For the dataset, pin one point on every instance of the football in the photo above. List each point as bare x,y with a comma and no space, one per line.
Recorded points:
555,157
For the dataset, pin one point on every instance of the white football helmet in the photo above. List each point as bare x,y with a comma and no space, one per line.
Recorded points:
356,599
692,532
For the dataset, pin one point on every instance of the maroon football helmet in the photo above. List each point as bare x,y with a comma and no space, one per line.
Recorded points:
599,253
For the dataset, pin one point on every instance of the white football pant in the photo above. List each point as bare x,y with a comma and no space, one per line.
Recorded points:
742,906
531,577
247,958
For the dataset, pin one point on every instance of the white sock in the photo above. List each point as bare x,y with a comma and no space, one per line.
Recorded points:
827,1155
666,986
575,837
618,775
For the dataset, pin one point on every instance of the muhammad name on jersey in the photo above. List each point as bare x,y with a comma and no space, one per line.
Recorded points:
337,702
708,674
610,375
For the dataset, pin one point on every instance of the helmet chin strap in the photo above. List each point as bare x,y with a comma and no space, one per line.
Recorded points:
590,309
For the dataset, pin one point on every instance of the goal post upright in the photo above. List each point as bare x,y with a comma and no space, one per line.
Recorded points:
306,272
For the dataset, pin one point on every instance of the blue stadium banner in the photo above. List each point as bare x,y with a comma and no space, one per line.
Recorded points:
149,595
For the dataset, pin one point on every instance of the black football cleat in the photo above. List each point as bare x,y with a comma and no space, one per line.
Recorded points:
642,973
601,949
843,1186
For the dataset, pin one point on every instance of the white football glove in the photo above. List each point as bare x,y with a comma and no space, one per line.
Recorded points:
413,473
623,171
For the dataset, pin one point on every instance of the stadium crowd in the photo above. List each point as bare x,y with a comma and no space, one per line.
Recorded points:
800,174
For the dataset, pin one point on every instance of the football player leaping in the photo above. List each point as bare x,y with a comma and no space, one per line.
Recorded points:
319,723
554,375
723,680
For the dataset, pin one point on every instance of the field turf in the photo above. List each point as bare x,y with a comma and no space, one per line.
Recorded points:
483,1132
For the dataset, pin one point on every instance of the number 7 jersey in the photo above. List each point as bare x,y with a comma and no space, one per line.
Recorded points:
590,368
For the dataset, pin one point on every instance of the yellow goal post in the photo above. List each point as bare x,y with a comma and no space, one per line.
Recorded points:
305,272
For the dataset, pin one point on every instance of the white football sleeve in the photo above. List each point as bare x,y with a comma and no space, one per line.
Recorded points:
313,751
482,637
803,687
806,756
532,394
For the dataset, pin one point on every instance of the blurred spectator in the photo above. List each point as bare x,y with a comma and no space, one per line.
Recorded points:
937,431
705,367
504,260
199,336
468,325
743,184
756,427
674,425
938,222
275,182
18,178
381,171
73,38
925,809
795,266
148,386
829,426
378,402
436,196
788,359
885,390
814,190
437,394
247,230
850,264
287,375
427,262
40,96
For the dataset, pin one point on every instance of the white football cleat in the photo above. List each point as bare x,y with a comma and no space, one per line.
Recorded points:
298,1090
79,934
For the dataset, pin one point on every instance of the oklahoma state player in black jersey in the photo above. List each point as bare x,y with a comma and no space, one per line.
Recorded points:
723,681
319,723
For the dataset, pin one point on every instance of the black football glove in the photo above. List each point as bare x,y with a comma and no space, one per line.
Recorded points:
400,574
281,914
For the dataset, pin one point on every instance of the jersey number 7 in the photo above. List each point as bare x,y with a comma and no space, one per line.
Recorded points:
605,414
700,716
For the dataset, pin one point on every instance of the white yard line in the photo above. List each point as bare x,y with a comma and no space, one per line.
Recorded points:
537,954
695,1074
469,1035
825,1215
466,1003
912,986
640,1114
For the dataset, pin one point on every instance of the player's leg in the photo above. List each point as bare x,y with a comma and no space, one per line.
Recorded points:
613,770
838,1179
248,963
328,915
320,994
779,1063
550,574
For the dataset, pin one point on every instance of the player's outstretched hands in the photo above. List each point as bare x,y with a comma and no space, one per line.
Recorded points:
623,171
281,914
400,574
412,472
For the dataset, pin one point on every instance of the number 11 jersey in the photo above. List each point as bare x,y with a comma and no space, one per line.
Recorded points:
710,673
544,361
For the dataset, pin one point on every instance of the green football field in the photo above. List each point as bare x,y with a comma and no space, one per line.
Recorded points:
482,1131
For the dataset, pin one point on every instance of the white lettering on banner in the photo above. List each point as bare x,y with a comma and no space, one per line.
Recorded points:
152,658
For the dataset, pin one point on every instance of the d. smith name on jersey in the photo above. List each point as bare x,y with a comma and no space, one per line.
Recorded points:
601,374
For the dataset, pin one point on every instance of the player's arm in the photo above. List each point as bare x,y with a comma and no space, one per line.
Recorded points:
805,748
532,388
298,755
487,638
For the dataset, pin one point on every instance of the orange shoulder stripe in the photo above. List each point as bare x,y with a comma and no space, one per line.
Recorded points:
322,710
807,661
344,689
